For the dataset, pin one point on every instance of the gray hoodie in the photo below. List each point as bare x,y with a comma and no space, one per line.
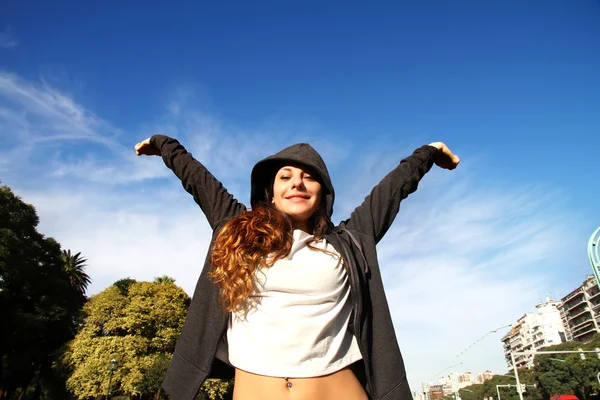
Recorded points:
303,154
382,370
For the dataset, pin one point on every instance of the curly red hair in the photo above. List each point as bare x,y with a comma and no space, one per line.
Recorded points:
254,239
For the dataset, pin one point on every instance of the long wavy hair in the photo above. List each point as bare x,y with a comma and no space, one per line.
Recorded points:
255,239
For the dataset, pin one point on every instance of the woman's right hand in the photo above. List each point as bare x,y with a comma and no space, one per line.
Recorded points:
444,157
145,148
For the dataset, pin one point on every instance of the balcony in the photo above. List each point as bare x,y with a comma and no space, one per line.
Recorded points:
572,295
516,343
589,284
594,296
585,310
583,333
575,305
581,324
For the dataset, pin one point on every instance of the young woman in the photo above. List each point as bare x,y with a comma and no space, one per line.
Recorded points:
288,303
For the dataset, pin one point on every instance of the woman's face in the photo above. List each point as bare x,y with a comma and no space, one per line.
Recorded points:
296,193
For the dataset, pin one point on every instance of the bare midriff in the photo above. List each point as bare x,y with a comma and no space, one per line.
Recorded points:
341,385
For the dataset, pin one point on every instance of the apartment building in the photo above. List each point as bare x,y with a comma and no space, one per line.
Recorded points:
484,376
465,379
534,331
436,392
580,311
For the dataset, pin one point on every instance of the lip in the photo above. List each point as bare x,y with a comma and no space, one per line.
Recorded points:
297,197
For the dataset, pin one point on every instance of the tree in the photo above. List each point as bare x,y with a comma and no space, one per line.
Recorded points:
164,279
39,308
124,284
74,266
568,373
137,324
216,389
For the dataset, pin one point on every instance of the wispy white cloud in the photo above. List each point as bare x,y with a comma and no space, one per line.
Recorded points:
49,133
468,259
465,255
8,40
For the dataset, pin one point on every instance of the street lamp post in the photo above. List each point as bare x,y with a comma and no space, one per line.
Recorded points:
512,358
112,366
455,384
520,388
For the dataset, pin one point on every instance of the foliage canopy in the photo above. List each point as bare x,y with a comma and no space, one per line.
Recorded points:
138,329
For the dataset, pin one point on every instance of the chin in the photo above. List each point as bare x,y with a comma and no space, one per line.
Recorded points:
299,218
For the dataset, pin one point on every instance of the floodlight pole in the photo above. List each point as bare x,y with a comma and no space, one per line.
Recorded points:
455,383
512,358
594,254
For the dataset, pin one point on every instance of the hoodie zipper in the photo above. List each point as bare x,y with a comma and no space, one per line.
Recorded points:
356,292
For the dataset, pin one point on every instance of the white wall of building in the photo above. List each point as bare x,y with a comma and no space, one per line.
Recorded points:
534,331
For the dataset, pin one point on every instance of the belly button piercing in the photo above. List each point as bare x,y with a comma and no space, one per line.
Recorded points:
288,384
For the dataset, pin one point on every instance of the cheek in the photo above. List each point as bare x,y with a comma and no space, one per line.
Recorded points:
318,191
276,189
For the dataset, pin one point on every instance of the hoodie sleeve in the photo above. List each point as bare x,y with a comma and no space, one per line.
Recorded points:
214,200
377,212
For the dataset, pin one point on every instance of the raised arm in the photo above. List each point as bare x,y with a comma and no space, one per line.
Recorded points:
214,200
377,212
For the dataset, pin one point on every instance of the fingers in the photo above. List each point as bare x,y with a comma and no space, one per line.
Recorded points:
454,161
139,149
445,158
451,163
144,148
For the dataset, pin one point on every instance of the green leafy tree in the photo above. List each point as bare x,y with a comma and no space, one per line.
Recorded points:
508,389
137,324
216,389
164,279
568,373
74,266
155,374
124,284
38,306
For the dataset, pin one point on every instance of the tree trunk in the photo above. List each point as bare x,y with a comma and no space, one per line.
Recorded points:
38,390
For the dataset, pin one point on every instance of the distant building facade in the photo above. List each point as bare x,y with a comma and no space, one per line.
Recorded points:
580,311
436,392
465,379
484,376
534,331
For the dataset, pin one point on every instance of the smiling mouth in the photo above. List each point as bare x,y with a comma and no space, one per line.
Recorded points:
296,198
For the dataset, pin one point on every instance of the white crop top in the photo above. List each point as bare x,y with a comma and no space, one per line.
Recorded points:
297,325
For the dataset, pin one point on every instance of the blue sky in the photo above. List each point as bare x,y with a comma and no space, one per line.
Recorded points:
513,87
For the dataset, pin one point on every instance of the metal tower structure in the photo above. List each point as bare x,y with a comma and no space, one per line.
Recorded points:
594,254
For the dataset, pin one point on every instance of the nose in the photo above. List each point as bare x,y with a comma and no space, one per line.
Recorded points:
297,181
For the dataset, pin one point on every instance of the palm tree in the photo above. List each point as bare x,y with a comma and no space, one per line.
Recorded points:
164,279
74,265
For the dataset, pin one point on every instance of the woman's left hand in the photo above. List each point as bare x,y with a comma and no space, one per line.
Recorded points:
444,157
145,148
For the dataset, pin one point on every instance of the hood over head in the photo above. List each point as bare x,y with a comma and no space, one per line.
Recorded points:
302,154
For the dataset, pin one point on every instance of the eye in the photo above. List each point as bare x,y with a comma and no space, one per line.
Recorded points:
284,177
309,177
